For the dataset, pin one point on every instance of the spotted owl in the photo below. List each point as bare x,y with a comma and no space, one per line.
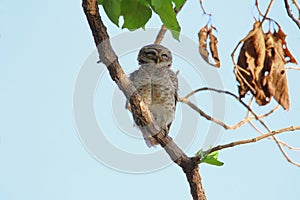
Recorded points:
157,84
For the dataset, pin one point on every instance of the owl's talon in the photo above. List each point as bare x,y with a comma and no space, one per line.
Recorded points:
165,131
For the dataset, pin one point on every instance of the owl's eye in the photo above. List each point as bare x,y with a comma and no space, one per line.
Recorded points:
150,53
164,56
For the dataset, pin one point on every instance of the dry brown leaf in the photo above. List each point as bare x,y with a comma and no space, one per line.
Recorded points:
287,54
261,66
213,41
275,82
251,59
260,96
259,50
202,36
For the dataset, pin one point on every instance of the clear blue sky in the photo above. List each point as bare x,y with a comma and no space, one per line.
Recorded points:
43,47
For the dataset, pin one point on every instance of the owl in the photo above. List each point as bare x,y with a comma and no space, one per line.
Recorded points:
158,85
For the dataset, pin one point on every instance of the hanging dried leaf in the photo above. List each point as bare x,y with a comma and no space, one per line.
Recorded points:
287,54
202,36
251,60
213,48
275,82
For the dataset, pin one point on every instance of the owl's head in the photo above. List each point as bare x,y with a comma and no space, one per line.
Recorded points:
155,53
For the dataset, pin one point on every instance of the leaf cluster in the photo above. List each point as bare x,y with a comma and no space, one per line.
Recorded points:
136,13
261,66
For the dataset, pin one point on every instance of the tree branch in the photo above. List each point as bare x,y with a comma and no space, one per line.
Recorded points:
140,111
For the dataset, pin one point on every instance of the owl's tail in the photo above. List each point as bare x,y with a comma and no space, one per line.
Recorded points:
150,141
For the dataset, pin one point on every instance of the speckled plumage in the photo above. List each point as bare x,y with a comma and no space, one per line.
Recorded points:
157,84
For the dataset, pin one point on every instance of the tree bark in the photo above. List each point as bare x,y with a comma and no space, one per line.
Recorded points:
140,111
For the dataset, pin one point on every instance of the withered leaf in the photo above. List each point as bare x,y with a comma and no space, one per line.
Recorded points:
275,82
261,66
202,36
251,59
213,41
287,54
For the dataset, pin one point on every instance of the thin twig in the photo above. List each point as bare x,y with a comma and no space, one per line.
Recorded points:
236,97
224,92
160,34
250,104
270,112
247,119
285,154
268,10
256,128
293,68
280,141
289,146
297,6
238,74
255,139
202,7
202,113
261,14
290,14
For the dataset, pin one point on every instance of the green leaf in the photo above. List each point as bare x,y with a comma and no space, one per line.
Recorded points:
211,158
113,10
158,3
178,3
164,9
136,13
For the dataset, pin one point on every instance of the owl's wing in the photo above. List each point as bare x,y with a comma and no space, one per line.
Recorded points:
141,80
174,80
133,75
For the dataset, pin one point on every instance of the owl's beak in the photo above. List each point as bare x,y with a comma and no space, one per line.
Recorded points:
158,59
